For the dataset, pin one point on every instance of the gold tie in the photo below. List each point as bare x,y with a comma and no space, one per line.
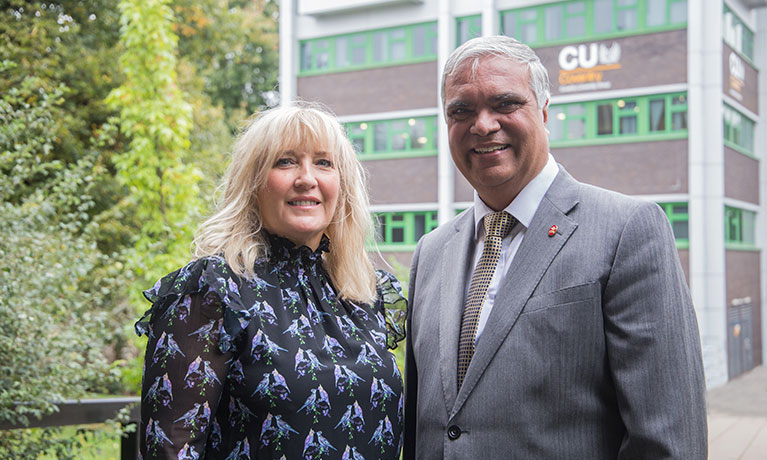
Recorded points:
497,226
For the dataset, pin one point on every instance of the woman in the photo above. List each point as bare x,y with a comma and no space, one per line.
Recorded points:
272,343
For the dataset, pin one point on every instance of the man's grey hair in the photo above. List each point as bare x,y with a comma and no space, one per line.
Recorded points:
499,45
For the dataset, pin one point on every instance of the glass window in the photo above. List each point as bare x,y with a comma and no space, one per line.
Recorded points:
321,54
626,19
380,137
419,227
681,229
399,135
358,54
628,116
604,119
556,120
419,40
603,16
656,12
508,24
306,55
468,28
528,26
342,53
553,24
417,133
397,48
575,23
658,115
678,12
379,46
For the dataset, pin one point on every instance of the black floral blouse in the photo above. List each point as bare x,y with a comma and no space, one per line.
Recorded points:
274,367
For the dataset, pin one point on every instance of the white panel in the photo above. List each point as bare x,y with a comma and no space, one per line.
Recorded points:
320,7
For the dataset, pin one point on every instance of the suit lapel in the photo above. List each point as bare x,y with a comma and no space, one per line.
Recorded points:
454,273
533,258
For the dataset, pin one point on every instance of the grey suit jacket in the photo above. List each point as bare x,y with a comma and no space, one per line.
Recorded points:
591,350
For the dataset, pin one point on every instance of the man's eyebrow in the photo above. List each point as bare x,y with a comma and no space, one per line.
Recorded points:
456,104
510,95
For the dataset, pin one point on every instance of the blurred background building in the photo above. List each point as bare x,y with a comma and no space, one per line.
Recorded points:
654,98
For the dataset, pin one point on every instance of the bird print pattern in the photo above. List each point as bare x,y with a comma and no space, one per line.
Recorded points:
276,366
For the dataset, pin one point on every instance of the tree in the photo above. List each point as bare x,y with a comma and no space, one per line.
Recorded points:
51,336
157,120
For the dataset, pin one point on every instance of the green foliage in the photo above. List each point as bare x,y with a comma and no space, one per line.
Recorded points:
51,337
157,120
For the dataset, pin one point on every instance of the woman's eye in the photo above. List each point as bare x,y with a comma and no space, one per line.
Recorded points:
284,162
325,162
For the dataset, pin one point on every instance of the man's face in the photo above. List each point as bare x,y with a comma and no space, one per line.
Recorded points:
497,133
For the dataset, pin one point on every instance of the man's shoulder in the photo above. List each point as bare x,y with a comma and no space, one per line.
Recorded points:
593,199
462,221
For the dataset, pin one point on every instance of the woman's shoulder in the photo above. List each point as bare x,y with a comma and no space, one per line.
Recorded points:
209,277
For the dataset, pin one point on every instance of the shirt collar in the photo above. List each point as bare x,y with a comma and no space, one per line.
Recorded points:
526,203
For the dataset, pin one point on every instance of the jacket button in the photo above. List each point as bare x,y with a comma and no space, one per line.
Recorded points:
453,432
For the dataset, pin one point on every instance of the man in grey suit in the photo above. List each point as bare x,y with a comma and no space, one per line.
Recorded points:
575,331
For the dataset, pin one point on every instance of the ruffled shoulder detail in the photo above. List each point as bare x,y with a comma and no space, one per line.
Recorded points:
209,275
394,306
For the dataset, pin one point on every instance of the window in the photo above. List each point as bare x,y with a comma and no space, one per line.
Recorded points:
397,45
416,136
466,28
677,214
739,227
402,230
738,131
576,20
661,116
737,34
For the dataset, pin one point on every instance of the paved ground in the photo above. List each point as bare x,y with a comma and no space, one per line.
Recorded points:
737,418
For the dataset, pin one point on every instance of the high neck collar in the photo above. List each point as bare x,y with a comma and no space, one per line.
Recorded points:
283,249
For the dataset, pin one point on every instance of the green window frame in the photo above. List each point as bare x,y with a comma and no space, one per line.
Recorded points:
373,48
678,217
739,131
400,231
577,20
739,228
466,28
742,37
619,120
394,138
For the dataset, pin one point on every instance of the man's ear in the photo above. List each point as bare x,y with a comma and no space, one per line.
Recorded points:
545,112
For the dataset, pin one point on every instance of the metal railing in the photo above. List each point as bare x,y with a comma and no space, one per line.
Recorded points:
87,411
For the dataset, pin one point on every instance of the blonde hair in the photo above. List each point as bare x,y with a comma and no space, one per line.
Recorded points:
235,229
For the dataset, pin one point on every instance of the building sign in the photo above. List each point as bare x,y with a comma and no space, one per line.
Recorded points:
737,76
740,79
621,63
587,66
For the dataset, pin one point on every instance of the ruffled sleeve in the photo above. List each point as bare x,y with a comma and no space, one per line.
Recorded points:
393,305
194,326
206,277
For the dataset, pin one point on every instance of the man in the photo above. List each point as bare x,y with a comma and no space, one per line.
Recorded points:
572,336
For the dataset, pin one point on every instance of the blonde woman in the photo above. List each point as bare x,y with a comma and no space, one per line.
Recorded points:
273,342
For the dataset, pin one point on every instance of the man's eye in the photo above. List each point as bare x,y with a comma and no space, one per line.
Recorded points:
459,114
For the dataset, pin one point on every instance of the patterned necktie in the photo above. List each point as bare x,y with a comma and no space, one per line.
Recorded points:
497,226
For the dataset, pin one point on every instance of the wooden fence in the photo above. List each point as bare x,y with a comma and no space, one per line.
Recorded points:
86,411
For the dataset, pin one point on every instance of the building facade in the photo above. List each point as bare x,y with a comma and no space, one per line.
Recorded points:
654,98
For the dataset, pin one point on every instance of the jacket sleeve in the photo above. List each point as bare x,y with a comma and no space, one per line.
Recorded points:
653,344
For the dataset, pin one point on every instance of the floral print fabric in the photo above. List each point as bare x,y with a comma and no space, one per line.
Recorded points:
275,366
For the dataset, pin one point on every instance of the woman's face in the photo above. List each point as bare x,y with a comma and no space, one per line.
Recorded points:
300,196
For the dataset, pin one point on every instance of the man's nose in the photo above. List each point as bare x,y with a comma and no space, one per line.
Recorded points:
484,124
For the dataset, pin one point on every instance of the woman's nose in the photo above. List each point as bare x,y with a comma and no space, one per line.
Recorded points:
305,177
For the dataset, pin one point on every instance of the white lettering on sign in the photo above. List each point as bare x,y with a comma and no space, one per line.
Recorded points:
737,68
589,56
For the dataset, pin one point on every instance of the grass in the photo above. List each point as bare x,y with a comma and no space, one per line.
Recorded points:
103,445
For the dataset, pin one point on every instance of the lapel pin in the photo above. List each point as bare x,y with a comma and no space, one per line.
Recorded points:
552,230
